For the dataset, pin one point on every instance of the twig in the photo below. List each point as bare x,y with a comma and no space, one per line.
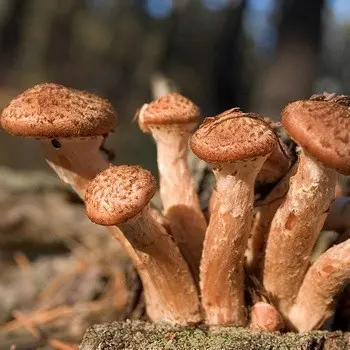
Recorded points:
28,324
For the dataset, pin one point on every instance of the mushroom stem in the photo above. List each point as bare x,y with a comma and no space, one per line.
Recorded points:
80,162
264,213
180,201
276,166
156,308
323,282
295,228
163,261
77,162
222,280
173,169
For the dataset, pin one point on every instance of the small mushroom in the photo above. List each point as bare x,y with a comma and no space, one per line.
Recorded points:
265,317
71,126
120,196
235,144
321,129
323,283
170,120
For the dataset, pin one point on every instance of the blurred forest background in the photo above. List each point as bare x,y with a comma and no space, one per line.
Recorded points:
256,54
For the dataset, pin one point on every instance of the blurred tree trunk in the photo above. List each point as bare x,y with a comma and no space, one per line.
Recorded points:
58,52
35,35
189,56
230,85
12,13
291,74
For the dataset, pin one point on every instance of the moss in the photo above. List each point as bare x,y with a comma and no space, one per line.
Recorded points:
137,335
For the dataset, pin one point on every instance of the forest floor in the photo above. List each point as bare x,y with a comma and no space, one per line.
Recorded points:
59,272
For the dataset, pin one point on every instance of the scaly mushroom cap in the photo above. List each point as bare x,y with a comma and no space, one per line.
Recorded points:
118,194
171,109
332,97
265,317
321,126
231,136
54,111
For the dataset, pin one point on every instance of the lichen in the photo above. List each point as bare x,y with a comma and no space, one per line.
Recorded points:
137,335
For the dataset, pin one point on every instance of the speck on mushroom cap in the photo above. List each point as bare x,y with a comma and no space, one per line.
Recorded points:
231,136
322,127
118,194
53,111
171,109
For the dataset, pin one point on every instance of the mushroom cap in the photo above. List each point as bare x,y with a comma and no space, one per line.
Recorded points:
54,111
321,128
332,97
171,109
118,194
265,317
232,136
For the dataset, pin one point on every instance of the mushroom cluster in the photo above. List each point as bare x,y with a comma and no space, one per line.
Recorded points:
248,261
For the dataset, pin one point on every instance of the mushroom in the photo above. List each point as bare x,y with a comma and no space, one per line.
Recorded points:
265,317
264,213
235,144
321,128
321,286
170,120
275,167
71,126
278,163
120,196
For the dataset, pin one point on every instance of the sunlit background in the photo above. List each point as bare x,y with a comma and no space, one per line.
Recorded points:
256,54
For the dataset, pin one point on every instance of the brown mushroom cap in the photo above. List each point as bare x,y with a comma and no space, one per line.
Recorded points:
231,136
332,97
54,111
171,109
118,194
322,128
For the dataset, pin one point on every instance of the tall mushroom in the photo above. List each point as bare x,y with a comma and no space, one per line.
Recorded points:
236,145
120,196
71,126
324,281
321,128
170,120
